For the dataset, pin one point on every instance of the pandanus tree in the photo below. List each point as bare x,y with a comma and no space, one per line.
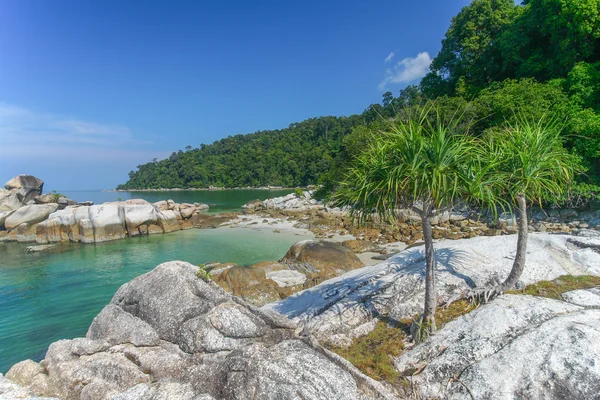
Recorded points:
531,167
419,163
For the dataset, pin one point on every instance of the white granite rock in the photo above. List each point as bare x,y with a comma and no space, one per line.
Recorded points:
339,307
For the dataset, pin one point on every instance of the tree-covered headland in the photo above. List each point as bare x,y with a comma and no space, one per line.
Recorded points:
499,62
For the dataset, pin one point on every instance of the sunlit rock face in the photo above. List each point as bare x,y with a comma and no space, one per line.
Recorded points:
344,307
514,347
20,190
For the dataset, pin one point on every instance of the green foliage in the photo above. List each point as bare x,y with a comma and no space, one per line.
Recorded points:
580,131
499,102
583,85
299,192
415,162
555,288
468,57
203,273
56,195
295,156
549,37
492,40
533,160
580,195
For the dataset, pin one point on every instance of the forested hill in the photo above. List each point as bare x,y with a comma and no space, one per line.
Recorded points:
294,156
499,60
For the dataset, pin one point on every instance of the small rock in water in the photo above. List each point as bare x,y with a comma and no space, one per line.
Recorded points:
42,247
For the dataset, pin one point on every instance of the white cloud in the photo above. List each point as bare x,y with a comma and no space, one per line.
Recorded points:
21,126
389,57
408,70
60,149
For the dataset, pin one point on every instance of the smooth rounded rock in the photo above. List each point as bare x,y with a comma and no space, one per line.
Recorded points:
29,215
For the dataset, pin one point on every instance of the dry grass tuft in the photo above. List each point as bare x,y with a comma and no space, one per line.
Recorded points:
373,353
445,314
554,289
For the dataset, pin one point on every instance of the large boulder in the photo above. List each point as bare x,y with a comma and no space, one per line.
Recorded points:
168,334
251,284
514,347
46,198
138,215
262,283
3,216
108,222
100,223
321,259
29,214
347,306
10,200
20,191
167,220
27,182
61,225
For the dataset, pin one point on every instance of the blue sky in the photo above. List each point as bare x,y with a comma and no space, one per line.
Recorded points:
90,89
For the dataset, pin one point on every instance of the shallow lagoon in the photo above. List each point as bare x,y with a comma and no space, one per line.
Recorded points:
55,295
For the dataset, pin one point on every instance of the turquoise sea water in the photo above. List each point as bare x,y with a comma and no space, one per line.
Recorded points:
218,200
55,295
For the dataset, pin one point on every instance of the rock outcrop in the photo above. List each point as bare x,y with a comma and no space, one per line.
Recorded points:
20,190
460,223
306,264
48,223
291,201
259,284
27,186
321,259
342,308
10,390
251,284
514,347
168,334
29,215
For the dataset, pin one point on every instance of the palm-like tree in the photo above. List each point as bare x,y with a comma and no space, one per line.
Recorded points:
533,167
419,164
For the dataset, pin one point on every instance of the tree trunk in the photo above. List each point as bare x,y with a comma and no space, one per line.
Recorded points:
430,286
519,264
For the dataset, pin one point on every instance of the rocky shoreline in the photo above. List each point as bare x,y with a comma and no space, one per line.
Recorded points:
172,334
459,223
183,332
210,188
28,216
